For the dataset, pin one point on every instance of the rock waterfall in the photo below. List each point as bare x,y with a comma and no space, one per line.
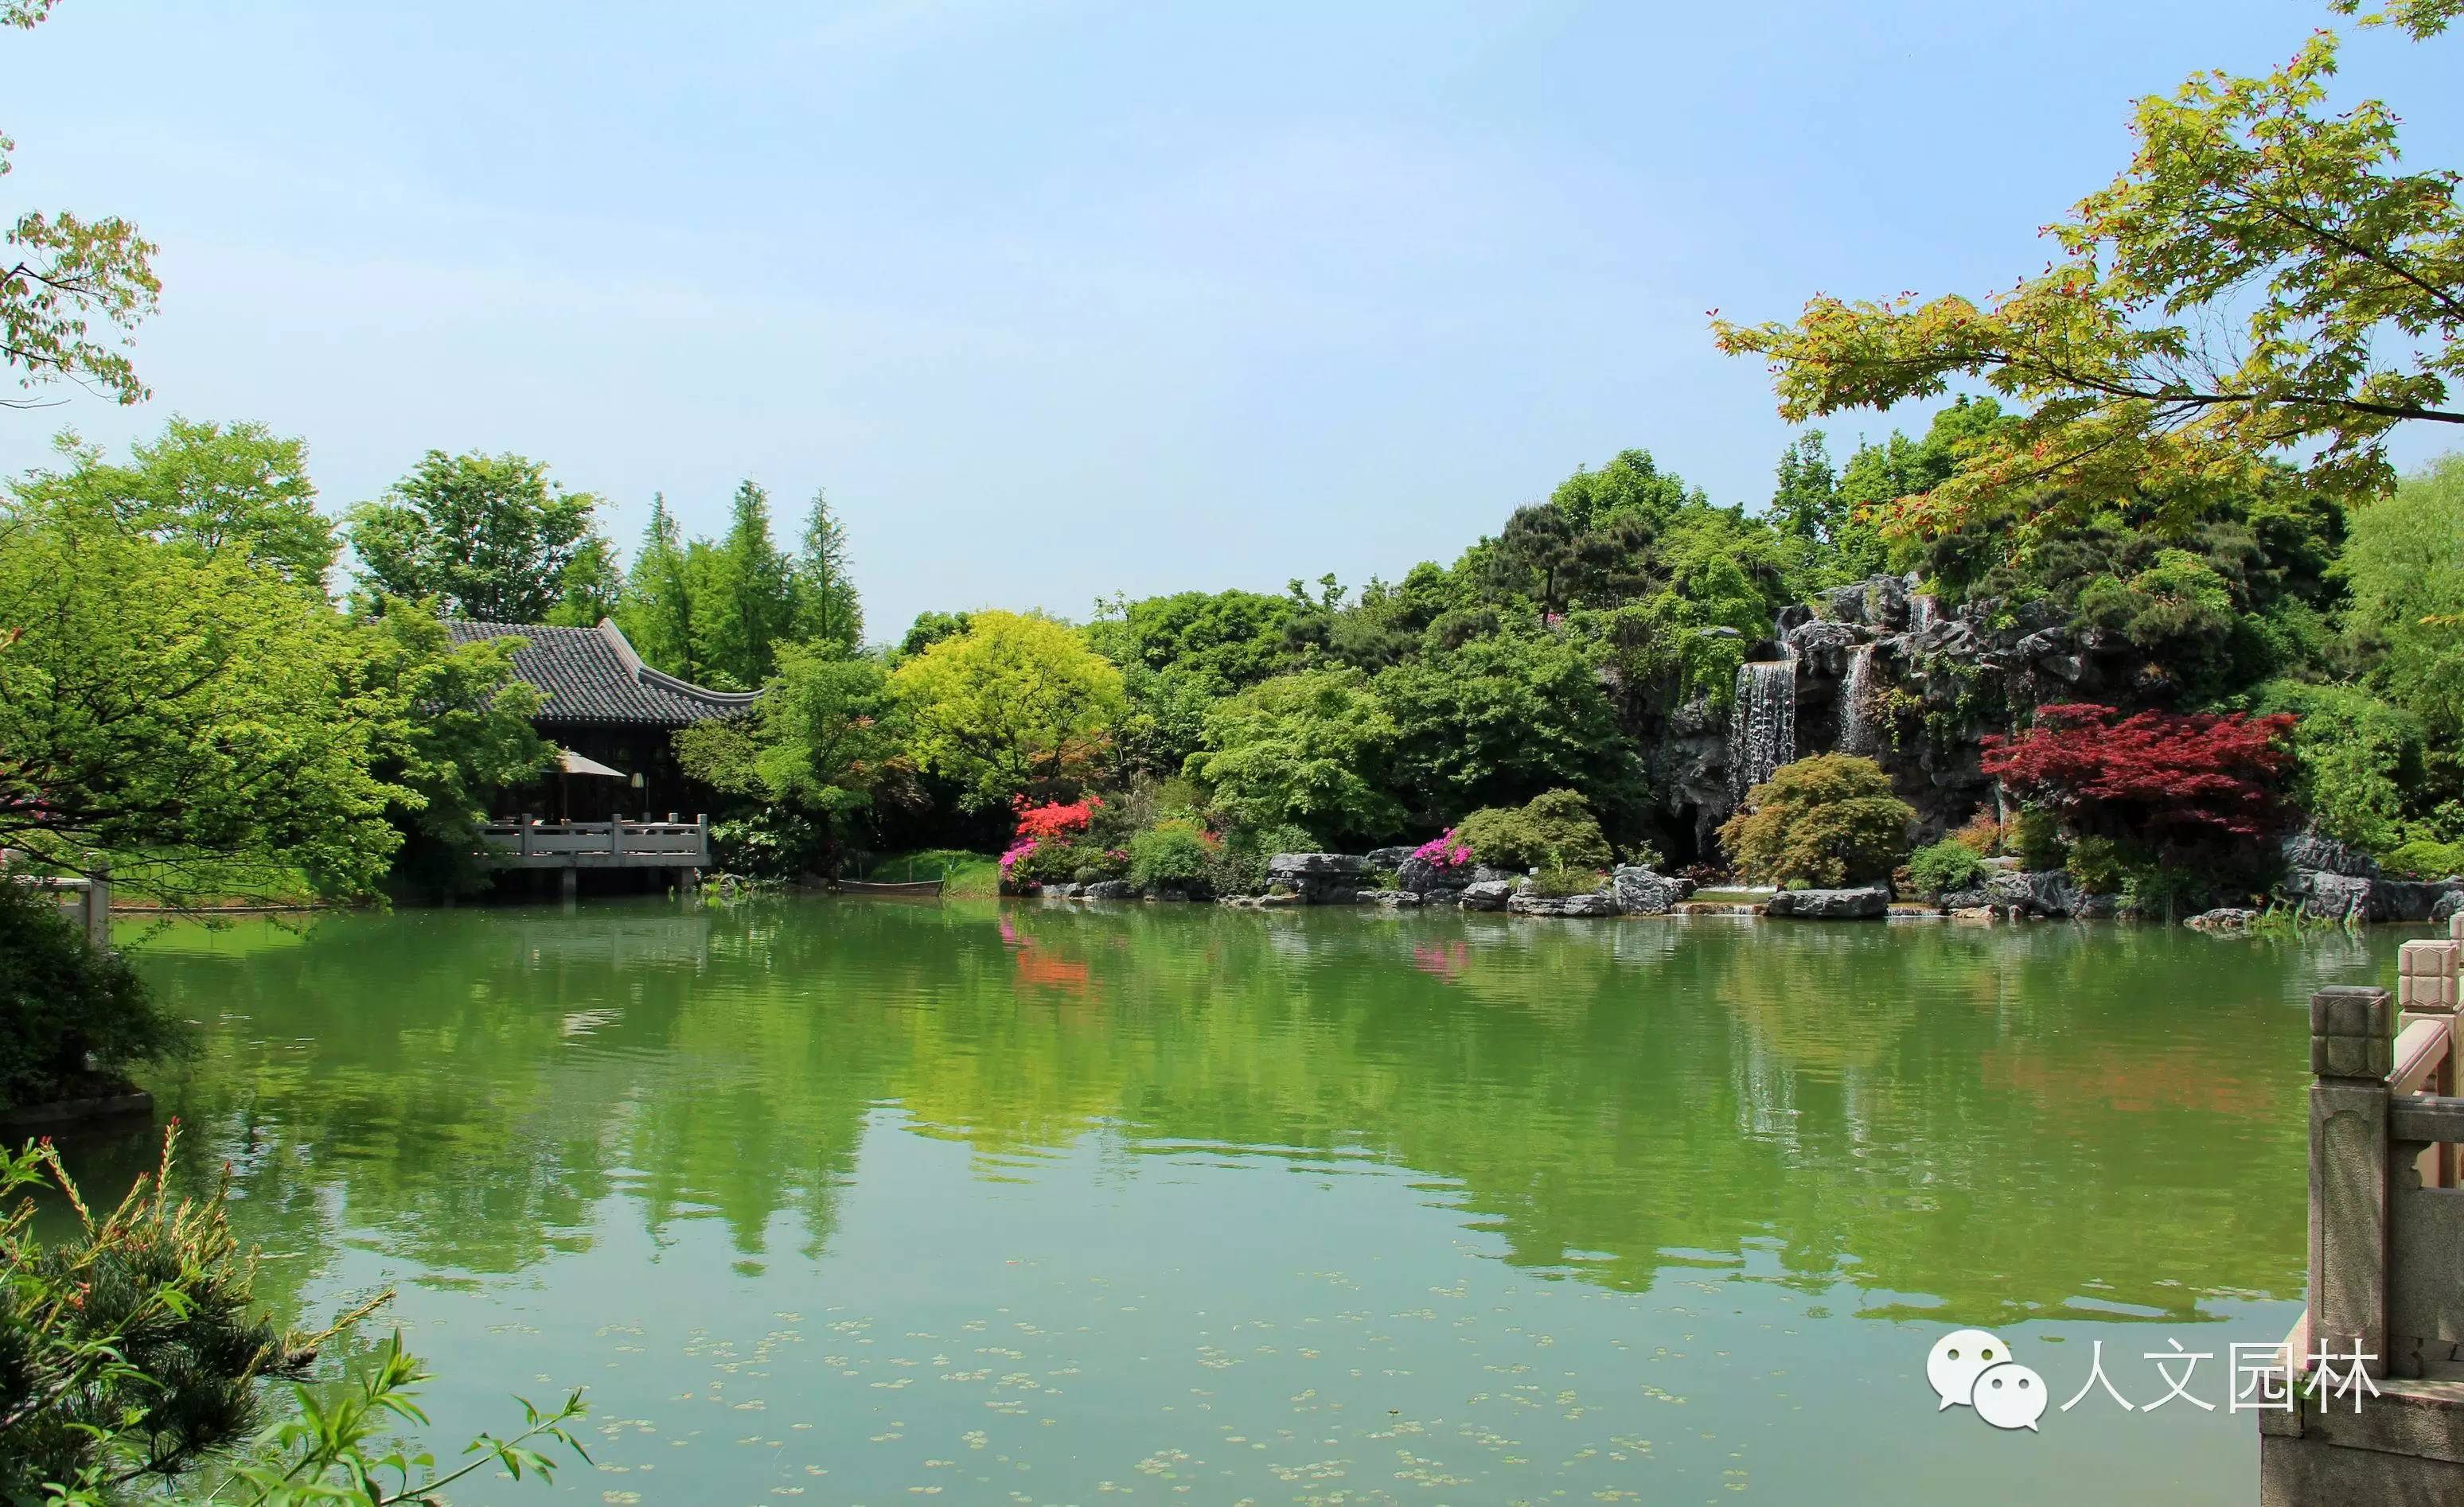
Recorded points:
1855,720
1762,724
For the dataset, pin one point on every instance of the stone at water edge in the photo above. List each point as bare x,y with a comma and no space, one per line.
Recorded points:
1638,891
2448,905
1956,899
2224,918
2328,896
1488,894
1869,904
1422,877
1319,878
1387,857
1292,865
1387,897
1594,904
2408,900
1109,890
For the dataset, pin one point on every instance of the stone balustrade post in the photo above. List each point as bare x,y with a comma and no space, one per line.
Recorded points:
2352,1050
2425,989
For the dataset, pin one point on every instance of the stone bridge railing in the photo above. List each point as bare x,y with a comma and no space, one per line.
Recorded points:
2386,1248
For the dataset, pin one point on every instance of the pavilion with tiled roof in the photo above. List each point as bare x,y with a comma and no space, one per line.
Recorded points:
614,717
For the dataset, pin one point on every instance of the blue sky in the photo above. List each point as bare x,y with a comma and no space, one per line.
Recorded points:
1063,299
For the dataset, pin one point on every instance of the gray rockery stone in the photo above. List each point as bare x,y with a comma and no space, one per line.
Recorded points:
1593,904
1488,894
1640,892
1868,904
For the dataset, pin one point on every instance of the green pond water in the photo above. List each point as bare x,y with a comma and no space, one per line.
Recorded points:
867,1201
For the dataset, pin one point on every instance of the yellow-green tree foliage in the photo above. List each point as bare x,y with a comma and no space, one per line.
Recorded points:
2264,282
1018,704
1820,821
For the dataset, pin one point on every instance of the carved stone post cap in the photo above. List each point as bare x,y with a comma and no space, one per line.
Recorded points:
2426,978
2351,1032
2425,956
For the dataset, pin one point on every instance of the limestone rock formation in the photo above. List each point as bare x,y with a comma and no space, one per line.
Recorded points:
1869,904
1594,904
1640,892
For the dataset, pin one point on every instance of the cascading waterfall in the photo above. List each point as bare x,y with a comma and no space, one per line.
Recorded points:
1856,727
1762,724
1919,614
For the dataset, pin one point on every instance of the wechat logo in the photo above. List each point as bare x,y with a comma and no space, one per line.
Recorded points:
1972,1368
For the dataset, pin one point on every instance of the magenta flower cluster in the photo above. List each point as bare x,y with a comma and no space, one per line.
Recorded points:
1018,850
1447,851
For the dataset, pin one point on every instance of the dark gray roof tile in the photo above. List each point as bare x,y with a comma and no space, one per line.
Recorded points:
592,676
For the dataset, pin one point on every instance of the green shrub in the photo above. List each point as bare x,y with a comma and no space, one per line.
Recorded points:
64,1005
1938,868
2036,839
134,1347
1826,820
1556,881
1240,867
2422,859
2101,865
1175,852
2354,758
2164,890
1556,828
1052,861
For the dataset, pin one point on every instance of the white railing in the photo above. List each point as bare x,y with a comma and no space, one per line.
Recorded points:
619,842
86,901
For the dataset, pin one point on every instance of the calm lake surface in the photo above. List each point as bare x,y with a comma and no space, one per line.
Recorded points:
862,1201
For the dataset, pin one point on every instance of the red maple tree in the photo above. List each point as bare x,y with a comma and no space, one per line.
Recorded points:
2172,779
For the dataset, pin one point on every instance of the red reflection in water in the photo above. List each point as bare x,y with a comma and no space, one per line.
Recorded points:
1445,961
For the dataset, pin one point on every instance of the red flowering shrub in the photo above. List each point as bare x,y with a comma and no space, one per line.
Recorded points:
2170,780
1053,820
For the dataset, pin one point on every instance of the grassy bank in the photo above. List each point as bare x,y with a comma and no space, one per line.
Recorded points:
963,875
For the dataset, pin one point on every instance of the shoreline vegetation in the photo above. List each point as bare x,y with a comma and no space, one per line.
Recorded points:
2142,624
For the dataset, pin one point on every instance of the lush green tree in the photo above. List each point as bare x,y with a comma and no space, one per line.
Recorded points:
656,611
1309,748
2249,209
2404,567
929,628
448,725
1179,655
743,594
1502,719
66,273
174,712
2355,760
590,587
1234,638
224,490
824,740
827,608
1805,500
1631,485
489,536
1544,557
1822,821
1016,705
